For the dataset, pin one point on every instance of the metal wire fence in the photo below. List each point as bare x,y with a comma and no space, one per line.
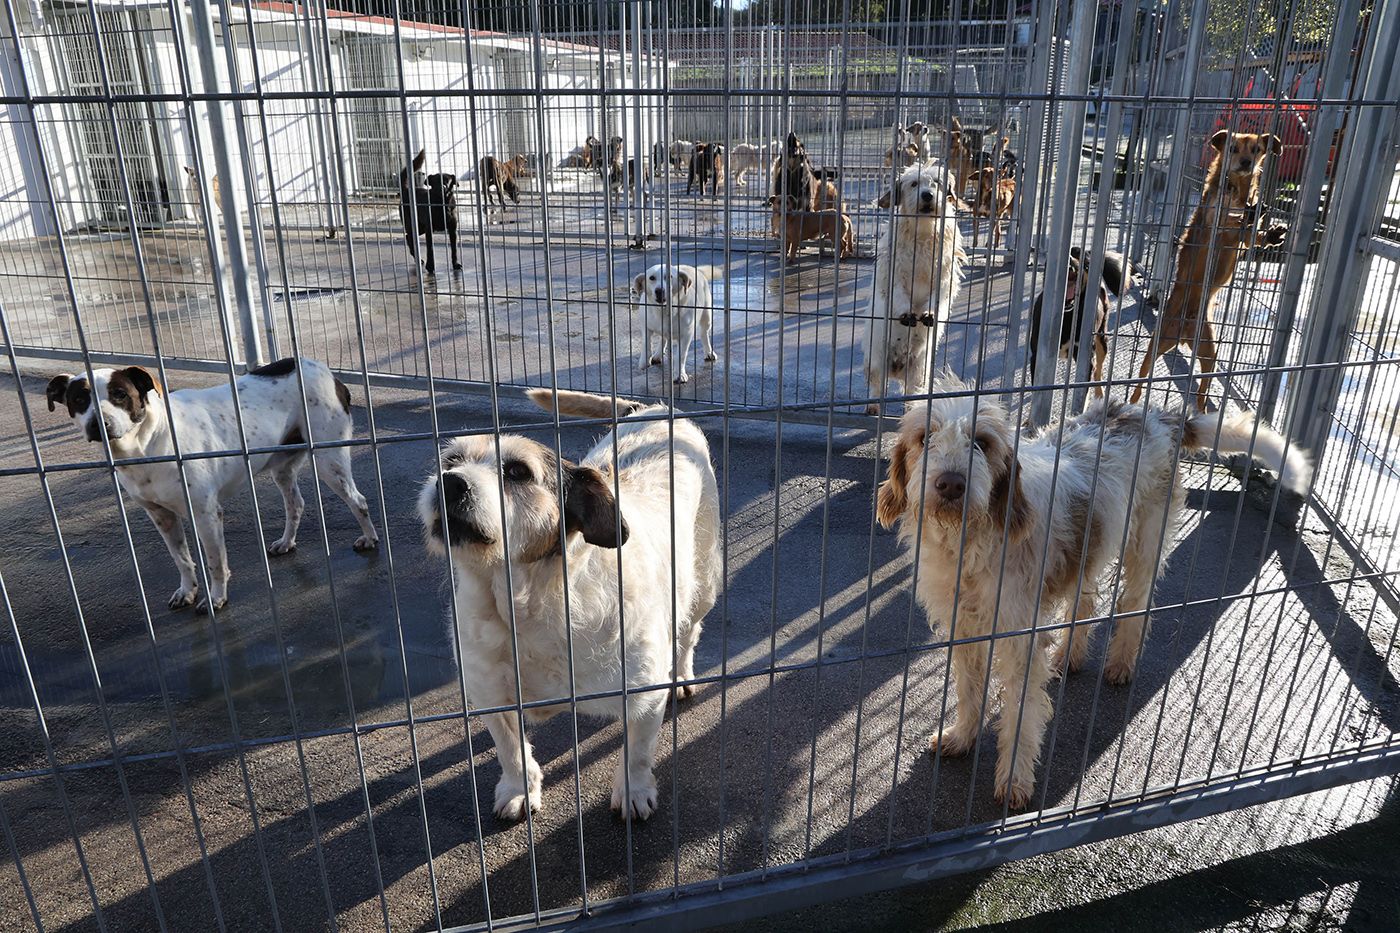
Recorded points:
203,188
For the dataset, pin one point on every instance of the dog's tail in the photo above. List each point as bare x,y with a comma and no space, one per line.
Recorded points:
1120,272
583,404
1241,433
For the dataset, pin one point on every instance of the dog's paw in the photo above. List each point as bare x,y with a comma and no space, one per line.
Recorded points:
1017,796
456,267
511,806
183,597
1118,673
204,603
654,361
1275,234
685,691
908,319
641,801
681,379
711,356
952,742
366,543
281,546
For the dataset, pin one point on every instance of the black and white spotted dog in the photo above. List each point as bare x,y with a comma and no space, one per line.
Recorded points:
270,400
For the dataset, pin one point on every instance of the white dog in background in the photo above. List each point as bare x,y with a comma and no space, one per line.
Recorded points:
917,268
270,401
664,475
677,300
959,482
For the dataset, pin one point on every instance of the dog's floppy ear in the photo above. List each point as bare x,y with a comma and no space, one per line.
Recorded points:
1275,144
58,388
143,380
590,509
1219,139
684,278
1008,499
887,198
893,496
637,281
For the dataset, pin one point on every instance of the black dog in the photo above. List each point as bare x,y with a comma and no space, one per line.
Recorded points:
1118,272
706,164
432,201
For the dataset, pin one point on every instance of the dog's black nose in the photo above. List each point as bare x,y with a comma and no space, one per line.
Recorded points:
950,485
456,491
1246,163
926,197
660,296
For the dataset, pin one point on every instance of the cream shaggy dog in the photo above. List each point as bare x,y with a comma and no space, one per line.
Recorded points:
678,301
956,470
916,278
517,508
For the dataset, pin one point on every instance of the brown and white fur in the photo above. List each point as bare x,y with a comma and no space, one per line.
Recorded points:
521,506
677,301
959,482
137,424
917,267
196,193
1227,222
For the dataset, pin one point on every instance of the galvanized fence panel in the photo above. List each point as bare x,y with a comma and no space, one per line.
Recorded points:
201,189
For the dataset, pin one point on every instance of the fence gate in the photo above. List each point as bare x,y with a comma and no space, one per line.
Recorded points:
343,745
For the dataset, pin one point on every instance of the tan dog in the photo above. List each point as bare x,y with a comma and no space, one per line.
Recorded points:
197,195
994,199
1226,223
801,226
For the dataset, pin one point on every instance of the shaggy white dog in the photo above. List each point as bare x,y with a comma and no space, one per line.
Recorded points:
555,527
916,278
677,301
1019,527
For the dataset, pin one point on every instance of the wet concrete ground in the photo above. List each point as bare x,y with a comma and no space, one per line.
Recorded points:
1267,650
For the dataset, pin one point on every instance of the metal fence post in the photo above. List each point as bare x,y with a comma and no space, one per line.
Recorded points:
1315,170
1164,250
202,21
1370,141
1064,187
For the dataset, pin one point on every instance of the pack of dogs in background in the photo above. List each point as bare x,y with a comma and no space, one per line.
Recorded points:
1022,530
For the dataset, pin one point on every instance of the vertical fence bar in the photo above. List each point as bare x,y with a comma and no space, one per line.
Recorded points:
1065,185
1343,263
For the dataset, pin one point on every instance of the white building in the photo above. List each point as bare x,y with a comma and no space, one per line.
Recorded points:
287,58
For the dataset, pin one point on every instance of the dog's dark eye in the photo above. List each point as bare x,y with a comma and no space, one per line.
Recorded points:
118,395
517,471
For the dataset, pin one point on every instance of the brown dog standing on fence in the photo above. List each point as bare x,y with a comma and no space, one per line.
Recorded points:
1228,221
502,175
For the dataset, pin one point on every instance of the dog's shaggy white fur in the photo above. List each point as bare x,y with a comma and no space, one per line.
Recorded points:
916,278
956,469
677,301
514,509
